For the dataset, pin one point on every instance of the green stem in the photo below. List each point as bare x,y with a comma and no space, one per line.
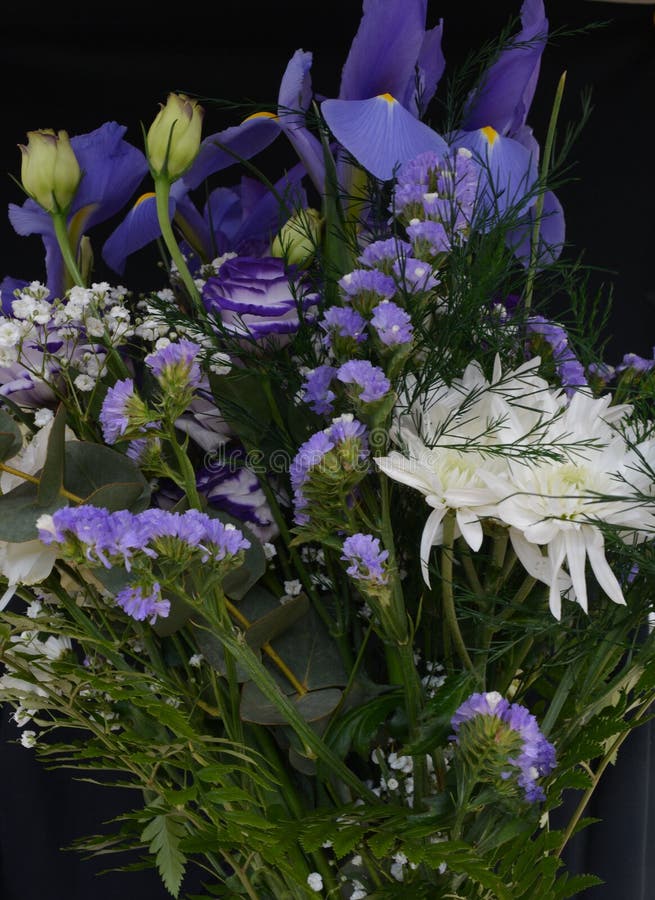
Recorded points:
185,467
162,194
447,595
61,233
539,205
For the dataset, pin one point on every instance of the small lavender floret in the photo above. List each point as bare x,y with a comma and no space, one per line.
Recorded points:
179,357
114,415
392,324
569,369
316,389
634,363
368,281
347,428
379,253
415,274
367,561
344,322
141,606
371,379
428,237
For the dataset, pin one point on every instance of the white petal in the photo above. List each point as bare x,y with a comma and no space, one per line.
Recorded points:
432,532
604,575
406,471
470,528
556,553
576,557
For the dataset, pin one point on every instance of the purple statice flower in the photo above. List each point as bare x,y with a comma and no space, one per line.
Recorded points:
382,254
428,238
601,373
415,274
309,454
347,428
372,381
176,361
367,561
115,414
140,605
392,324
344,322
368,284
638,365
316,389
569,368
536,757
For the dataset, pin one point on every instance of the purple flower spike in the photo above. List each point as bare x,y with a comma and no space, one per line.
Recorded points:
366,559
114,415
536,757
371,379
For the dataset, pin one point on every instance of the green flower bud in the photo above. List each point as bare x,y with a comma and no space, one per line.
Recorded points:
297,240
173,141
50,171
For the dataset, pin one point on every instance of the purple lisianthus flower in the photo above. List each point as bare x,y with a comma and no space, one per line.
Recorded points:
115,413
392,324
344,322
234,488
141,605
371,380
254,298
177,361
316,389
536,756
367,561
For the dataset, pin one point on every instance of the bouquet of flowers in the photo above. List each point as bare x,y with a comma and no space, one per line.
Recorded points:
335,545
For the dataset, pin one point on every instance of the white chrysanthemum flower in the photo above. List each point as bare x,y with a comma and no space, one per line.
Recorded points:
560,505
451,434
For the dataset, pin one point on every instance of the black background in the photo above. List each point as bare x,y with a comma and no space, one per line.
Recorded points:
73,69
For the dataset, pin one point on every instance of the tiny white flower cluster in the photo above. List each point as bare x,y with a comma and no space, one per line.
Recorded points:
396,777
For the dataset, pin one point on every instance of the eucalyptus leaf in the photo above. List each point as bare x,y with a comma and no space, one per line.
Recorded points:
90,467
11,439
312,706
19,510
51,479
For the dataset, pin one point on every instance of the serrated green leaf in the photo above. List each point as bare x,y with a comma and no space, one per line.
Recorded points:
164,833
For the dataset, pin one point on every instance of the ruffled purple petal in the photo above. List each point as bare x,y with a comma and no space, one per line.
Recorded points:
380,133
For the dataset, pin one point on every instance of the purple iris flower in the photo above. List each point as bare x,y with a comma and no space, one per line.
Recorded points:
112,169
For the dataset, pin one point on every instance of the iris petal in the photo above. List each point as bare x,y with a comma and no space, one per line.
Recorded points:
380,133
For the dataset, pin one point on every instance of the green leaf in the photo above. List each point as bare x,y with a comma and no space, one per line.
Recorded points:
90,467
355,729
311,653
19,510
164,832
277,621
313,706
52,475
242,403
11,439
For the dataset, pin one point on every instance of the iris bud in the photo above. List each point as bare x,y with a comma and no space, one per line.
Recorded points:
173,140
297,240
50,172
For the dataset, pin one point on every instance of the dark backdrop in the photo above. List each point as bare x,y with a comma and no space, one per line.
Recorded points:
66,68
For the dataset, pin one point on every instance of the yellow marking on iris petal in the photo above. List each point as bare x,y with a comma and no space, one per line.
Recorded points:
147,196
387,97
490,133
260,115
